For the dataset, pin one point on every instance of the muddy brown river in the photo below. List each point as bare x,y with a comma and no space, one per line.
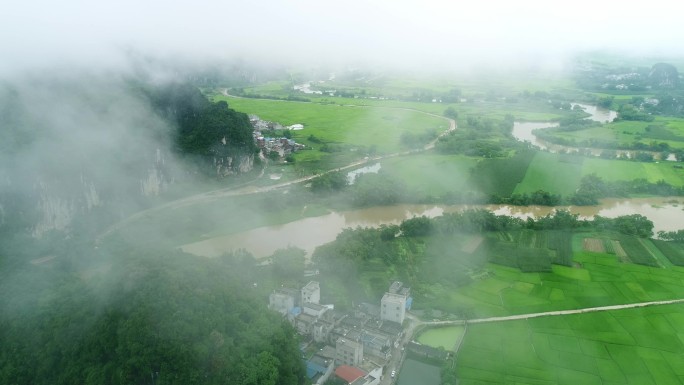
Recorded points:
308,233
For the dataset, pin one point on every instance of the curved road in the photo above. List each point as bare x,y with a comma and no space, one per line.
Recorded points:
235,191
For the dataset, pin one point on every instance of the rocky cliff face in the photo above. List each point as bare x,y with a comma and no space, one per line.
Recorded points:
664,75
231,165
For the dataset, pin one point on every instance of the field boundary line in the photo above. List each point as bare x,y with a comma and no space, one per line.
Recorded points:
576,311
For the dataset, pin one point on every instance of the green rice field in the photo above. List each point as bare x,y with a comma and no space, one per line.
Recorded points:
591,279
631,346
431,174
613,170
561,174
555,173
351,125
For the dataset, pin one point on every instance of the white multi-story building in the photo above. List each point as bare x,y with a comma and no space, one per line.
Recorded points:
393,307
311,292
348,352
393,303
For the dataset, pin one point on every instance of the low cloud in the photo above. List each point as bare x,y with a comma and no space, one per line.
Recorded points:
430,34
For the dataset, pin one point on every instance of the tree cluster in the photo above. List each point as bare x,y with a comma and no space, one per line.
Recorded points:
171,319
204,130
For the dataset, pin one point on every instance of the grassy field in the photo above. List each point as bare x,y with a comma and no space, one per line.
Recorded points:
557,174
431,174
176,226
632,346
624,133
354,128
501,175
594,279
561,174
614,170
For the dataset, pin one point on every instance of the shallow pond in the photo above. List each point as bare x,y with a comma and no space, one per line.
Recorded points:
418,373
446,337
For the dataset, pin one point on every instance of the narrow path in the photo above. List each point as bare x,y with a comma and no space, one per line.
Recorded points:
558,312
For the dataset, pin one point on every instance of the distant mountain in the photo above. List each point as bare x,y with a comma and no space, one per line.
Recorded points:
664,75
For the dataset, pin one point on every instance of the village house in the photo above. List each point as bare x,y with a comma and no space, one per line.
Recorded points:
283,300
348,352
311,292
319,369
359,339
395,302
349,373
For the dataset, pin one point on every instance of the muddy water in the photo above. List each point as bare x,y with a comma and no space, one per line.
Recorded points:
374,169
598,114
308,233
522,131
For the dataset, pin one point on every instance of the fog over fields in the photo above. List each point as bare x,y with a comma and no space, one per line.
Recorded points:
407,34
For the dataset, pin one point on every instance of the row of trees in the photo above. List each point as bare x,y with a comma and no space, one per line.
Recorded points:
593,187
477,221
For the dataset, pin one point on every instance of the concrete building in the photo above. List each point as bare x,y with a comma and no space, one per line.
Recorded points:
304,324
313,309
348,352
393,308
283,300
311,292
376,344
321,330
319,369
372,378
395,302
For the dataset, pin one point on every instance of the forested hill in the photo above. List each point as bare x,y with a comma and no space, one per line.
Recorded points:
147,319
79,148
76,154
211,131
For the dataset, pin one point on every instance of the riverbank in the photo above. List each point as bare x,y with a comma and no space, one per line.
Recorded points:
309,233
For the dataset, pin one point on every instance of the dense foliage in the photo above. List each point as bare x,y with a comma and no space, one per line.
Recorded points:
418,250
172,319
208,130
479,136
593,187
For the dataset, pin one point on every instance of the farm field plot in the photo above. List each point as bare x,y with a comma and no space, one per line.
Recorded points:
352,125
429,173
501,176
554,173
624,133
673,251
592,279
615,170
634,346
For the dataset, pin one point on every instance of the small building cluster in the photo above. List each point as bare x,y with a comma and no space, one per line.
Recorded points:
267,144
357,345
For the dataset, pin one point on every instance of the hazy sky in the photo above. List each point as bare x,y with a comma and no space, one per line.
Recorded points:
427,32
